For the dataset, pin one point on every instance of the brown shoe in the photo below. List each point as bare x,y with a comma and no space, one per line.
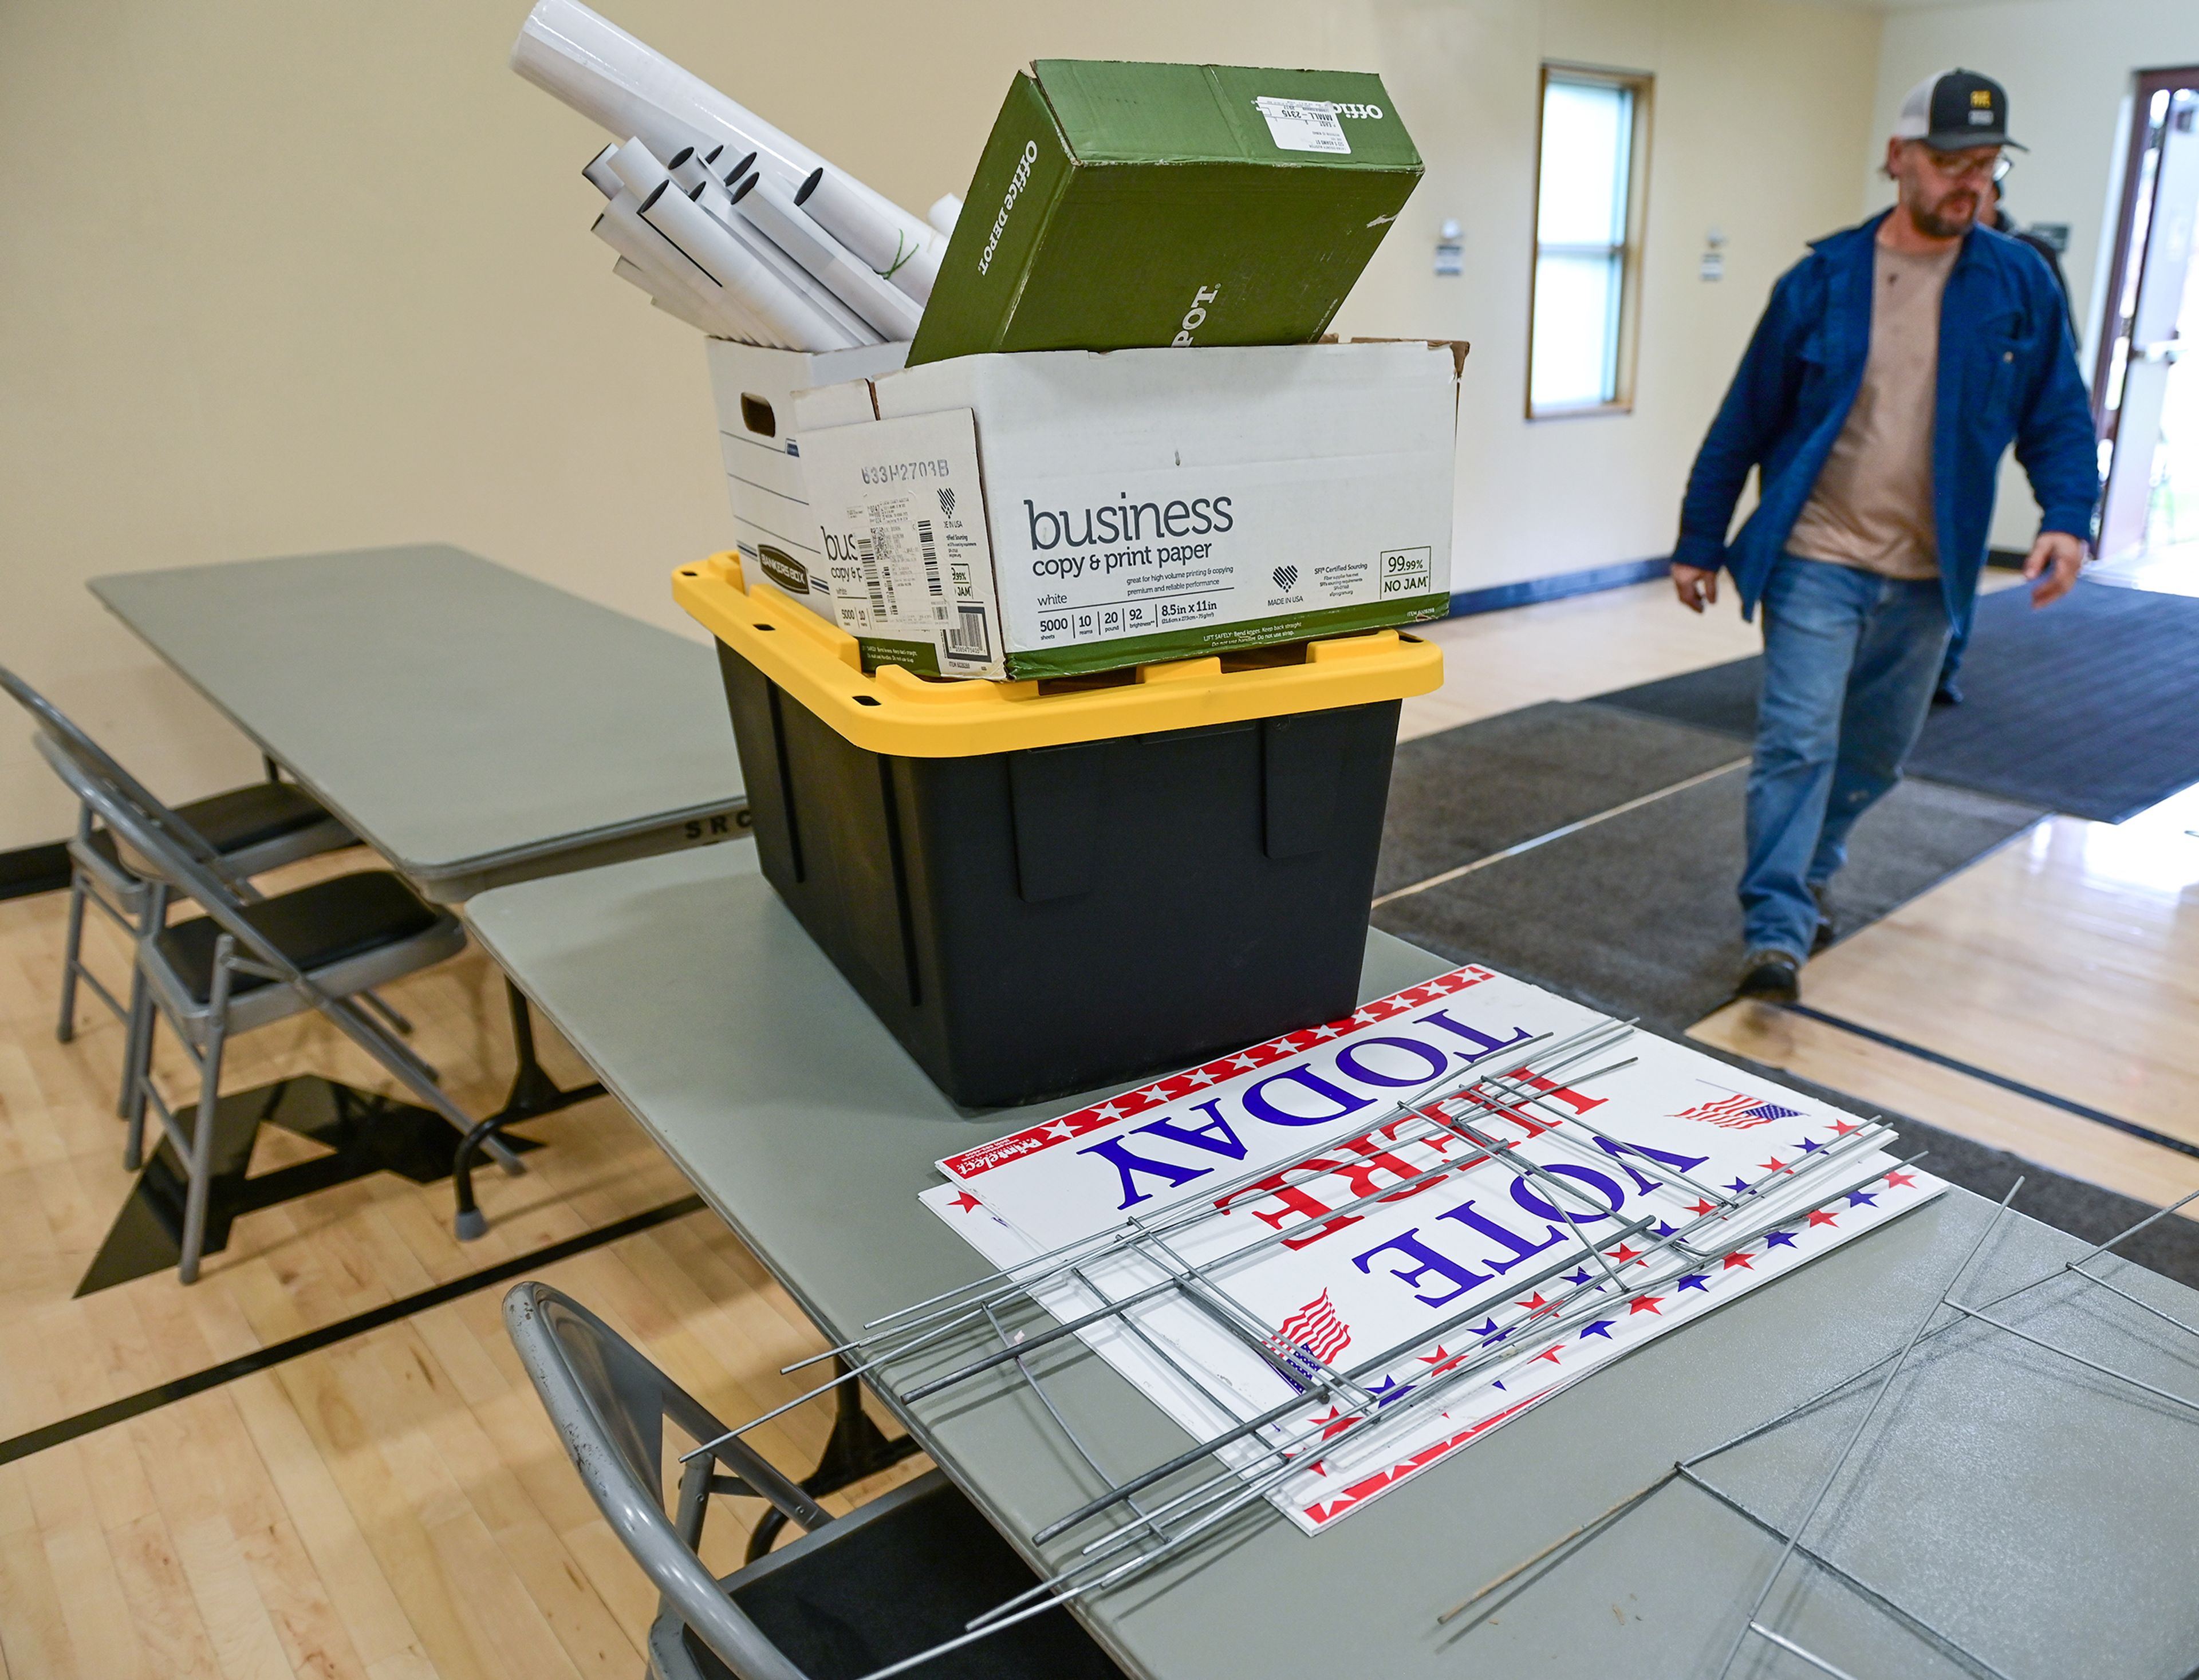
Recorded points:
1826,933
1770,977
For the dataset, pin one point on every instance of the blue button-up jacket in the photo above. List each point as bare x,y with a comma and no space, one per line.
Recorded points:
2008,373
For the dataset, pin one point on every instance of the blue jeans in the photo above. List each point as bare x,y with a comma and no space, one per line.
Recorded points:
1850,660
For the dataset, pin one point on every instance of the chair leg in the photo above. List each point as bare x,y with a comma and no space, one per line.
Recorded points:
137,1038
200,1168
71,954
135,1078
388,1012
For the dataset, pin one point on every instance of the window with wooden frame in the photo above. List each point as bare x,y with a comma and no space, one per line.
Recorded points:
1590,182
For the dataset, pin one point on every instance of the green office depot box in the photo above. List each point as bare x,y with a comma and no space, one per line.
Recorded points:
1121,205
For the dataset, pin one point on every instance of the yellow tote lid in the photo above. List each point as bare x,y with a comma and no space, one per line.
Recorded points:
895,712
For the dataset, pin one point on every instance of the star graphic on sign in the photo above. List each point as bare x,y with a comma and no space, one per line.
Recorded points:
1443,1359
1600,1327
1646,1304
1775,1166
1699,1209
1694,1280
1622,1254
1550,1354
1333,1422
967,1203
1865,1197
1898,1180
1578,1277
1809,1146
1534,1305
1737,1258
1199,1076
1324,1032
1819,1216
1248,1062
1841,1129
1779,1239
1107,1111
1387,1390
1740,1186
1489,1329
1060,1128
1664,1229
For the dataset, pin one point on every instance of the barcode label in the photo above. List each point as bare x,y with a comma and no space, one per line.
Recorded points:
965,635
868,554
930,557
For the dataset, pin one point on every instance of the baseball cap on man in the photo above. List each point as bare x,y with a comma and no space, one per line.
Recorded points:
1954,111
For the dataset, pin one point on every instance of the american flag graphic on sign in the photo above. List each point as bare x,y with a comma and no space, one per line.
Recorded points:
1311,1337
1738,1111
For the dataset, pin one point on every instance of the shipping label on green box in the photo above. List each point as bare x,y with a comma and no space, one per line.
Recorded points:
1124,205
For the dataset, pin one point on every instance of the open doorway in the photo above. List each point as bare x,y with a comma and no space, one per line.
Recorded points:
2147,387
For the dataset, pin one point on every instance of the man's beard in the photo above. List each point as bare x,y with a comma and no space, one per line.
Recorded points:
1933,222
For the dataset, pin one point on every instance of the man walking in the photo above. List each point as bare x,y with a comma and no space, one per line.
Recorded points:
1891,369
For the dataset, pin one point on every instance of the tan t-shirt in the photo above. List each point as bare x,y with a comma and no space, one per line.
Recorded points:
1872,504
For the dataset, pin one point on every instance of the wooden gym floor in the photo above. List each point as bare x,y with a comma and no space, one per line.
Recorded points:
393,1503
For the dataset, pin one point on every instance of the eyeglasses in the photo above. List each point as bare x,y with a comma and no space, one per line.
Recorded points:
1957,167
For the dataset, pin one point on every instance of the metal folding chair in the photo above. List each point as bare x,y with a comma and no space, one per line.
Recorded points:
852,1597
249,962
238,834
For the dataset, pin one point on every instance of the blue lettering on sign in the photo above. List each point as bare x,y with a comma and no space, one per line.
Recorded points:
1514,1244
1410,1245
1612,1146
1351,1061
1260,1107
1117,1153
1542,1207
1483,1043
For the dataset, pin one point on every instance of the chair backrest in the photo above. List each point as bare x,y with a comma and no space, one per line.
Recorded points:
144,832
79,760
609,1404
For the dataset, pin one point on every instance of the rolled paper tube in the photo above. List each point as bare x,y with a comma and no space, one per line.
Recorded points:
622,228
672,303
628,88
779,306
759,246
732,173
698,183
599,174
771,208
944,213
907,256
637,167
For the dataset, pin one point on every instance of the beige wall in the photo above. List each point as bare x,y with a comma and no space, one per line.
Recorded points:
279,277
2068,66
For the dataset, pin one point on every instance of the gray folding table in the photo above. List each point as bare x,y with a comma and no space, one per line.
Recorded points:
475,726
2035,1513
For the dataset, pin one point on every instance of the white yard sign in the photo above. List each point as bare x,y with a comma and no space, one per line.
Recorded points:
1351,1252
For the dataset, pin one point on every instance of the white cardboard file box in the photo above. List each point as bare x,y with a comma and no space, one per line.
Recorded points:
754,390
1049,514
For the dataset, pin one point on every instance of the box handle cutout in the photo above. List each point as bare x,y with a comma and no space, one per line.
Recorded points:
756,416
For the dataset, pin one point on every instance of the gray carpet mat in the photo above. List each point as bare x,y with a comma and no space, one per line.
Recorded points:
1635,915
2086,707
1483,786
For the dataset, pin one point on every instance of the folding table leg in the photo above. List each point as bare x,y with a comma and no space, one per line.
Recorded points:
532,1092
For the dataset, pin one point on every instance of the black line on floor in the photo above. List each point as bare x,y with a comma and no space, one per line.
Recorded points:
313,1341
2098,1118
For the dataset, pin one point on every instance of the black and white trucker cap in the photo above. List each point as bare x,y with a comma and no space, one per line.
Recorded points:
1956,110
